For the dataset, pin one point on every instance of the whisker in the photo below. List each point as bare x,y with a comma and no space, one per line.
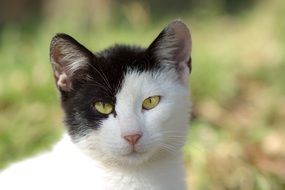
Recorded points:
103,76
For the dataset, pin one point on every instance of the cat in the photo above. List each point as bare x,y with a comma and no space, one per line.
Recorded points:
126,115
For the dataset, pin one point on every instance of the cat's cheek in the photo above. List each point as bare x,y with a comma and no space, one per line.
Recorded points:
156,117
88,143
111,142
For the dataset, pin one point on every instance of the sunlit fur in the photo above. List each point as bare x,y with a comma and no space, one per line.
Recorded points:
110,164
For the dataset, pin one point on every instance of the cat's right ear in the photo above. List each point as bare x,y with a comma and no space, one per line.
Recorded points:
69,59
172,48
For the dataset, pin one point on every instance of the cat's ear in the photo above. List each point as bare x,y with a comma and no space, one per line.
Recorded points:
173,47
69,60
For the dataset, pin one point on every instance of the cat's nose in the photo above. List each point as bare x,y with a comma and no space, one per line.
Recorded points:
133,139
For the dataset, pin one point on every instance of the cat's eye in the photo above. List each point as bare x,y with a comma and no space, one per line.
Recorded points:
103,107
150,102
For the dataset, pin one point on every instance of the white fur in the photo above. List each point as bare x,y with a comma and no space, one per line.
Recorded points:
103,160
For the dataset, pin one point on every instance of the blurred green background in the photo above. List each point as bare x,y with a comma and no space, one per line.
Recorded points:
237,137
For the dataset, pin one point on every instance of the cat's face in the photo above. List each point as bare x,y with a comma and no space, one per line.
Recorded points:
126,105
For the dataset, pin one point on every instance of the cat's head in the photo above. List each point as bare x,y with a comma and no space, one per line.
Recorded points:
126,105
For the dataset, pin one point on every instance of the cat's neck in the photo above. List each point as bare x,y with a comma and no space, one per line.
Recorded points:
166,173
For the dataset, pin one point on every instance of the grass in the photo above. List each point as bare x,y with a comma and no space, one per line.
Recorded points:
237,132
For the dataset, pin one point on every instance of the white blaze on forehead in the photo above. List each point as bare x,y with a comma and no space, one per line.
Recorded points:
138,86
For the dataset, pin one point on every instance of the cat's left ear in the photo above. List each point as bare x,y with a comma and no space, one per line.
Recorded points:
70,61
173,48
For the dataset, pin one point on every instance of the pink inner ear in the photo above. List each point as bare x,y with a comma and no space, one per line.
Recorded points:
63,83
60,77
184,73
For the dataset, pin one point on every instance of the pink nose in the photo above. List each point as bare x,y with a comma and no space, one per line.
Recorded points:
132,139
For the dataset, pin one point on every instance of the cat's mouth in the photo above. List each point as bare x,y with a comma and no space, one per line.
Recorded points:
134,152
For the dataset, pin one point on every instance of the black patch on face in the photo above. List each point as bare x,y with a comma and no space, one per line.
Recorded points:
106,73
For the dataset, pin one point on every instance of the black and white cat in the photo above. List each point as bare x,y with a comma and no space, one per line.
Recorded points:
126,114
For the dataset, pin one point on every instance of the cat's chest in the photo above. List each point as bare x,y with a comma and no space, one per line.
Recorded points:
92,176
75,171
95,178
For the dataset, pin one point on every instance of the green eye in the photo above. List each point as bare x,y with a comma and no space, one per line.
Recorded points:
104,108
150,102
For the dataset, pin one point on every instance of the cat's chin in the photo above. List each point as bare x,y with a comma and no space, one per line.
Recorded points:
132,159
